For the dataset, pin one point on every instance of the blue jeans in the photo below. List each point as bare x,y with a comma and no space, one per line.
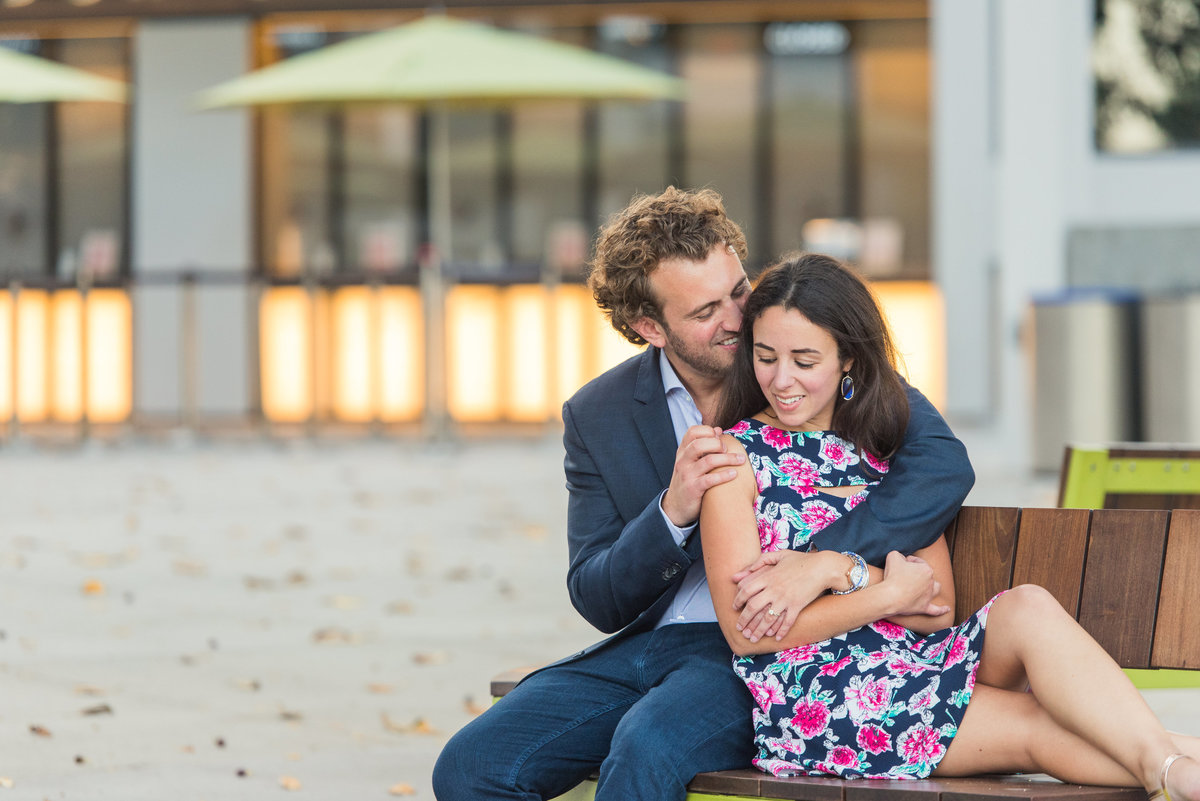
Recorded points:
650,711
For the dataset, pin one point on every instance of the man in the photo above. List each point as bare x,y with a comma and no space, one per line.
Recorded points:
658,702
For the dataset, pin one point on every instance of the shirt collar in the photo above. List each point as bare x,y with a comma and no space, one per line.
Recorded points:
670,378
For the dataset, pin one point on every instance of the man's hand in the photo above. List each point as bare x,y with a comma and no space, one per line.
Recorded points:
916,589
700,463
783,582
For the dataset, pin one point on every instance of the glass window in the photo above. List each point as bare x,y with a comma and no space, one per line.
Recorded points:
547,216
892,89
722,66
632,138
63,172
474,199
92,167
23,215
810,98
1146,61
298,235
381,211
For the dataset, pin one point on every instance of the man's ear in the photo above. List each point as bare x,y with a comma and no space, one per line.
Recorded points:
650,330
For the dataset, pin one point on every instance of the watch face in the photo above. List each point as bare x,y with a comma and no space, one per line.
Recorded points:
858,575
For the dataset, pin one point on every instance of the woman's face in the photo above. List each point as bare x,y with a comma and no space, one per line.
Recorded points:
797,366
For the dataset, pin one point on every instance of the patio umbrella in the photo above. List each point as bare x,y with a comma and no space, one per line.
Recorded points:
29,79
439,63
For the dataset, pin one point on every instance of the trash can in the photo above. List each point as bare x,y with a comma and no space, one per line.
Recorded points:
1085,385
1170,355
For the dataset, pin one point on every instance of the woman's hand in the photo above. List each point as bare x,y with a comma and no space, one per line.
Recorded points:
915,590
779,582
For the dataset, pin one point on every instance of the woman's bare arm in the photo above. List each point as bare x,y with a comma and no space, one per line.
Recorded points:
730,531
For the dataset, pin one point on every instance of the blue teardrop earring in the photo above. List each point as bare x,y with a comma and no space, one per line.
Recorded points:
847,387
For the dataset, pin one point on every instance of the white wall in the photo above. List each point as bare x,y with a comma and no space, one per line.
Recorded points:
192,208
1028,64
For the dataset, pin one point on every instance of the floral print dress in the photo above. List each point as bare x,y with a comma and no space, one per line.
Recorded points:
877,702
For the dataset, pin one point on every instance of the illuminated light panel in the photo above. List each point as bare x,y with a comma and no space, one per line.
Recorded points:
110,356
473,353
402,355
6,357
353,348
574,310
33,312
285,350
526,385
916,314
66,368
611,347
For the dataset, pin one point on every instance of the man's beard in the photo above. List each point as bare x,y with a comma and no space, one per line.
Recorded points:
709,361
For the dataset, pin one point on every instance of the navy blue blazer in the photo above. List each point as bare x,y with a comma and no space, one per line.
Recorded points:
620,451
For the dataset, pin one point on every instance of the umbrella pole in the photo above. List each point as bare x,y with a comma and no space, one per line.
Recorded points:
433,288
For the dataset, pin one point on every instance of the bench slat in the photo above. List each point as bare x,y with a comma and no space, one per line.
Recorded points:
983,562
1051,547
1175,642
1124,560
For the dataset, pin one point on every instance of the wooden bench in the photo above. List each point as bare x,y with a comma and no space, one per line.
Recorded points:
1126,575
1130,475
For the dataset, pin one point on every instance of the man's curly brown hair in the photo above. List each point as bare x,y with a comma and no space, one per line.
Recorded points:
675,224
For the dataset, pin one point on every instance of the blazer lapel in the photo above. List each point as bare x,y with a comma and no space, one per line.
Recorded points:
652,417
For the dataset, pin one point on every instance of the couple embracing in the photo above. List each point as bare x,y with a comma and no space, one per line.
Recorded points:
756,507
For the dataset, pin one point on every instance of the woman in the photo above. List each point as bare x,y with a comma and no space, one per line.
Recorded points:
872,680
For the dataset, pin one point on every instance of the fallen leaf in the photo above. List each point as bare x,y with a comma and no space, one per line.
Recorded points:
380,689
534,532
399,608
296,577
189,567
458,574
332,634
6,782
418,726
79,760
258,583
402,789
472,707
289,782
99,709
430,657
345,602
87,689
93,587
295,532
251,685
290,715
40,731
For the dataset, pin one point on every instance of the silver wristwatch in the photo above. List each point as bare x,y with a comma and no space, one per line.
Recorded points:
858,575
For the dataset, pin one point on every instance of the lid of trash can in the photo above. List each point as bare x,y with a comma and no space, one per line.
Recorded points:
1085,294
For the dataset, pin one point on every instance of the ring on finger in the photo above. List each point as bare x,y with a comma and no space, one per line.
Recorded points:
772,612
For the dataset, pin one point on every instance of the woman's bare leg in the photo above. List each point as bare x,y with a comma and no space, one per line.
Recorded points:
1031,638
1004,731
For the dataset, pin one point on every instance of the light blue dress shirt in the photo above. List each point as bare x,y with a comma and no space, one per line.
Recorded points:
693,603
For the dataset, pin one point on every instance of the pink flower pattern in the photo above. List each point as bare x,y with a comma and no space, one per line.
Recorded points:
873,739
876,702
811,718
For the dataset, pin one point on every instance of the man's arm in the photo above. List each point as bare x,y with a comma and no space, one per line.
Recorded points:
929,479
622,563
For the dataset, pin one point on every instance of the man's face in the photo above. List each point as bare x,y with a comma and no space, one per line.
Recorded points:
701,304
